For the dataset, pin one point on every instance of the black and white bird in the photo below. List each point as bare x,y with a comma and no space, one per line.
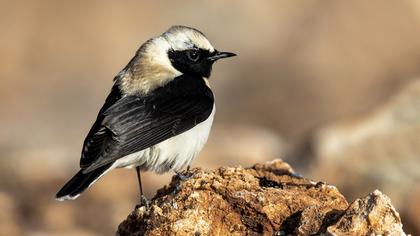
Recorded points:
158,114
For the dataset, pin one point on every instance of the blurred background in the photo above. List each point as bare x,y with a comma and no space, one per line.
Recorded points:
333,87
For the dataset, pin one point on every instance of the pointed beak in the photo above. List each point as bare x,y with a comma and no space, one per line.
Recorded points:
220,55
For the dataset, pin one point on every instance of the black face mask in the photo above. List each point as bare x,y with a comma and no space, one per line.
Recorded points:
196,61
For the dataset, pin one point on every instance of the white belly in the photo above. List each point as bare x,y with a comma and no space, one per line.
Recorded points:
171,154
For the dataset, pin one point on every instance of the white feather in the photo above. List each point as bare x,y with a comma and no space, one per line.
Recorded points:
67,197
173,153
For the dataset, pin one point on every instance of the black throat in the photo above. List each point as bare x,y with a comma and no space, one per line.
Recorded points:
202,67
186,85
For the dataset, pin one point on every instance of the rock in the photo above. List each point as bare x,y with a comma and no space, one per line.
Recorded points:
372,215
396,118
266,199
380,149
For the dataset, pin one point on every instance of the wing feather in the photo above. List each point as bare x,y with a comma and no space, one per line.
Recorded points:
134,123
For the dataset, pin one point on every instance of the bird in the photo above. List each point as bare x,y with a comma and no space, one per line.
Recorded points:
158,114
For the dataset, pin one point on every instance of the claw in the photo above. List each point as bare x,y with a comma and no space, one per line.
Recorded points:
177,188
143,202
181,176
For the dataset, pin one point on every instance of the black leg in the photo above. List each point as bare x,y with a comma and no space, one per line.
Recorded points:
139,179
143,199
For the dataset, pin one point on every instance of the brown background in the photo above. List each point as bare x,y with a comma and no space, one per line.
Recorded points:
301,65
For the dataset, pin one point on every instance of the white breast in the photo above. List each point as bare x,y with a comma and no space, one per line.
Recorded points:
171,154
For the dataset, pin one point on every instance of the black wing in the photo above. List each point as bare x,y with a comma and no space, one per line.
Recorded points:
134,123
98,134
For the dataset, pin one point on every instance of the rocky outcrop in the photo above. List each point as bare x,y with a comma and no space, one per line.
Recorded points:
372,215
379,149
266,199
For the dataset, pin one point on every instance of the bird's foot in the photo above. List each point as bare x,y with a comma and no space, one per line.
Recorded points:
184,175
177,188
143,202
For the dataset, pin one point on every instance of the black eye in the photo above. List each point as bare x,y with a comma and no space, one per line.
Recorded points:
193,55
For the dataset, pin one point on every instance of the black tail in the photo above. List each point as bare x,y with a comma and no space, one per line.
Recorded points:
79,183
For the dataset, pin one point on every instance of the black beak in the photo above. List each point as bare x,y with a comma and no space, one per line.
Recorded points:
220,55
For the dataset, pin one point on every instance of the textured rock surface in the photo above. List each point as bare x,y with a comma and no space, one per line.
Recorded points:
380,149
372,215
267,199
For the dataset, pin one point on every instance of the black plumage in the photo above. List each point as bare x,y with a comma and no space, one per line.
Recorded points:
128,124
160,94
192,61
80,182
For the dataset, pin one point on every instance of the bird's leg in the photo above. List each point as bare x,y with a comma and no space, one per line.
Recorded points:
182,176
143,199
139,180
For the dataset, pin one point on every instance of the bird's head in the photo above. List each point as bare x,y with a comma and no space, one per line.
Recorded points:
179,50
190,51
